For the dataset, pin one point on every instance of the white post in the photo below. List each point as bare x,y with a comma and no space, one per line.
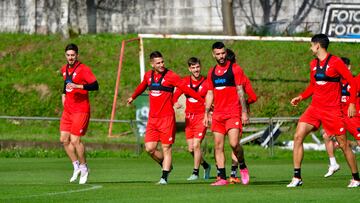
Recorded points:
141,59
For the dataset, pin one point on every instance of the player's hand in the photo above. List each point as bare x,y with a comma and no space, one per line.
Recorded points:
72,86
206,120
129,101
351,110
295,101
177,105
245,118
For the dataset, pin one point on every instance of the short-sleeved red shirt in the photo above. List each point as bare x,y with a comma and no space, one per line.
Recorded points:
77,100
226,99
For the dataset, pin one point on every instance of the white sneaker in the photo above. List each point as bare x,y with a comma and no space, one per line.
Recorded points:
295,182
162,182
193,177
83,176
75,175
354,183
332,170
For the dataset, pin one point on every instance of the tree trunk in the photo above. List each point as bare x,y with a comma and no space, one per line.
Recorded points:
228,17
64,19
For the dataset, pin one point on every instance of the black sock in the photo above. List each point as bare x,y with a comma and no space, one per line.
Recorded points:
356,176
205,164
297,173
217,171
233,171
222,173
242,165
165,174
196,171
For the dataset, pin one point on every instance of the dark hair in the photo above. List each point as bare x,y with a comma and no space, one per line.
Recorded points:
345,60
155,54
322,39
193,61
71,47
218,45
230,55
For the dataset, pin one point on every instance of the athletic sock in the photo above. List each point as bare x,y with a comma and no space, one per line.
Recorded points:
242,165
83,167
196,172
205,164
76,164
332,161
233,171
165,175
297,173
356,176
222,173
217,171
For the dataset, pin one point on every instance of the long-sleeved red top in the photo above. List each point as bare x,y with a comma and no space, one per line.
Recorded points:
325,93
345,98
192,105
161,103
249,90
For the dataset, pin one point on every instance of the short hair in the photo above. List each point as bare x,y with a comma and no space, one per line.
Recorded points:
230,55
322,39
218,45
72,47
345,60
155,54
193,61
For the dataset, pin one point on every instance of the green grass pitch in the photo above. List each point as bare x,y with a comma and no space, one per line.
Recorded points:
133,180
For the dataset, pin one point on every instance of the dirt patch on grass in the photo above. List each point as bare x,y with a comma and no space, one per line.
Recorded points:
42,89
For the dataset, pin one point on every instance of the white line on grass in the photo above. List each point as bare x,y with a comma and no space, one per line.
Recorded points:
93,187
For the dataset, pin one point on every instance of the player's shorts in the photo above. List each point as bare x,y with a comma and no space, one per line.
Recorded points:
161,129
194,127
353,126
75,123
222,123
331,119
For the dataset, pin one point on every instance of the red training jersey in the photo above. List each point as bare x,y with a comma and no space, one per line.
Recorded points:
249,90
161,103
325,93
77,100
226,99
345,99
193,105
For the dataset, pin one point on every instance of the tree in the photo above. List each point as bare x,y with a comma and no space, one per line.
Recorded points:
64,19
228,17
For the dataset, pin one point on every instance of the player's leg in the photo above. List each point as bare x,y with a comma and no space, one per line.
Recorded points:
234,167
302,130
70,151
220,158
167,152
234,140
190,144
350,159
155,154
80,151
329,145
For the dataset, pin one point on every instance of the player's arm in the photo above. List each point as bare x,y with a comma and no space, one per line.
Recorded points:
185,89
209,98
139,90
306,93
346,74
244,112
177,94
252,97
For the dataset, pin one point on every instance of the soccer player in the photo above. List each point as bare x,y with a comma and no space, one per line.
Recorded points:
161,123
351,124
252,98
325,89
195,131
227,94
78,80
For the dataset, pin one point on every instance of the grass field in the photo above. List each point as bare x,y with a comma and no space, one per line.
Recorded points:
133,180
